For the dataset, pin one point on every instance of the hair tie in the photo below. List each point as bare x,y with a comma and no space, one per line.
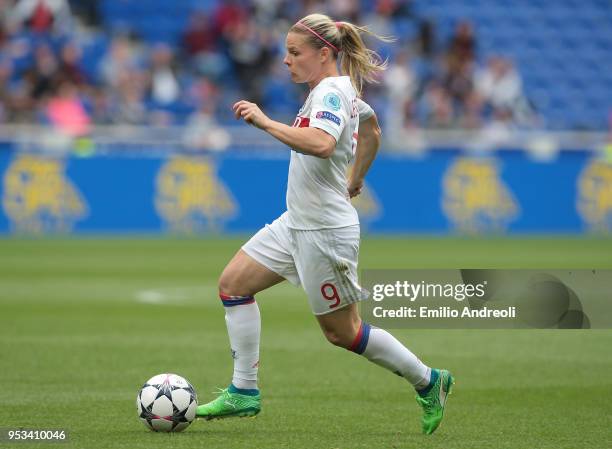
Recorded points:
338,25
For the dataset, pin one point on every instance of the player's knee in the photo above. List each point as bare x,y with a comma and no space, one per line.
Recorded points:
341,339
228,285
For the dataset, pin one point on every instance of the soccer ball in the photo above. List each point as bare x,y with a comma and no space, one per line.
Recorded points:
167,403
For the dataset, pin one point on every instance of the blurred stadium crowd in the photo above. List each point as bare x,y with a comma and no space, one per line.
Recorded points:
76,63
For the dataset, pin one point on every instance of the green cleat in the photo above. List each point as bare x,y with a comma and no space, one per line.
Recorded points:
228,405
434,401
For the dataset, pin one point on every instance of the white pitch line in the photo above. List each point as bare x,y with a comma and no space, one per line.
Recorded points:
175,295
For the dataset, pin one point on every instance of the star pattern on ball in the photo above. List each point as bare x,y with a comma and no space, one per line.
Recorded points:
179,415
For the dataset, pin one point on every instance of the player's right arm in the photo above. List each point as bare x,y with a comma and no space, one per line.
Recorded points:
318,140
367,148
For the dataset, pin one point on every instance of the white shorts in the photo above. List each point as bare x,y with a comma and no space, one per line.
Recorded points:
323,262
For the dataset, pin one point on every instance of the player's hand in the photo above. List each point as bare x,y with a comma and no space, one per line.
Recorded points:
251,114
355,187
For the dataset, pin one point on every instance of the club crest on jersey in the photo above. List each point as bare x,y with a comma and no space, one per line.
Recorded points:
329,116
332,101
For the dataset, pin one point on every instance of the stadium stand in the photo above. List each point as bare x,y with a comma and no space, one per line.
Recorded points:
555,57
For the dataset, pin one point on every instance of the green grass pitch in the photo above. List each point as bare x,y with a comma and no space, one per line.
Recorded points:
84,322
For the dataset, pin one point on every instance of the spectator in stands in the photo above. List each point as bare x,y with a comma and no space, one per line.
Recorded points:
311,7
462,48
499,85
40,78
4,8
426,52
42,16
345,9
459,84
70,65
401,86
6,99
380,20
128,101
164,85
66,112
250,51
227,17
458,78
435,108
125,82
271,13
201,46
122,58
426,45
202,90
100,106
199,37
395,9
203,132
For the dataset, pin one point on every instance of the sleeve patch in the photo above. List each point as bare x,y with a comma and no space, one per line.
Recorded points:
326,115
332,101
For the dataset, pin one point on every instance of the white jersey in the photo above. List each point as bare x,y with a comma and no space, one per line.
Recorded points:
364,109
317,191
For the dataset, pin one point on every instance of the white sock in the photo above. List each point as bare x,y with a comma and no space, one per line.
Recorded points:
244,328
380,347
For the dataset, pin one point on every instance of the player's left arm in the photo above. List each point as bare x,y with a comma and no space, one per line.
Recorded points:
312,141
367,148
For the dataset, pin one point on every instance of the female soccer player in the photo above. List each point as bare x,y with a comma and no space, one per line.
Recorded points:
315,243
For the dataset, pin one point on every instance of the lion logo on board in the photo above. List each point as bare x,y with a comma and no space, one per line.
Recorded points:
190,197
39,198
594,202
475,198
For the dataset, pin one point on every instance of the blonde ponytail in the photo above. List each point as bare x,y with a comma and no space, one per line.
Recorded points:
357,60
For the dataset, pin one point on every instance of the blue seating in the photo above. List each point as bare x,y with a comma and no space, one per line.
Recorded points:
563,49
